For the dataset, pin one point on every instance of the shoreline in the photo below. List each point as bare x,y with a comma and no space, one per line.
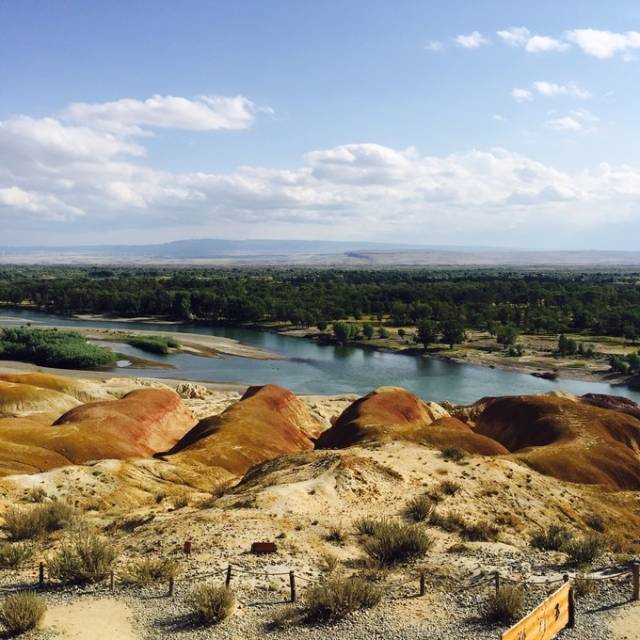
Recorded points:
215,346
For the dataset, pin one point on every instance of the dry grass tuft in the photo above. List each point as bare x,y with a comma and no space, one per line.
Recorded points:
211,604
86,557
12,556
505,606
336,598
552,539
419,508
27,524
583,551
393,542
146,571
21,612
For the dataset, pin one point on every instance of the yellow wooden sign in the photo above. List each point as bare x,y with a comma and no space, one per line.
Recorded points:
545,621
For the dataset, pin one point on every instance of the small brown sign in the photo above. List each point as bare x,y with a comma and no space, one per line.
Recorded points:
263,547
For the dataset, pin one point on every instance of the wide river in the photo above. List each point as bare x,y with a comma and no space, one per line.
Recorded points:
321,369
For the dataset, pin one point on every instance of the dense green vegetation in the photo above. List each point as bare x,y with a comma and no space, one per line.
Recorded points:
152,344
600,303
53,348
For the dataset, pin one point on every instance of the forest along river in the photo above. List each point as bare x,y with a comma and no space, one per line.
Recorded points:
310,368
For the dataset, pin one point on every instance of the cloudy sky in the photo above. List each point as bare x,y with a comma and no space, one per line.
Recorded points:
486,123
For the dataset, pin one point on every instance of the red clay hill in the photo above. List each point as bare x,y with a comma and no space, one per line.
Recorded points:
569,439
265,423
392,413
140,424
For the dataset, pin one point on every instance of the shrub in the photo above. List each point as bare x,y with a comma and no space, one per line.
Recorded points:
584,550
329,562
36,494
335,534
453,453
147,571
181,502
394,542
366,526
211,604
552,539
583,586
21,612
13,555
596,523
449,522
337,597
506,605
419,508
449,487
85,558
26,524
480,532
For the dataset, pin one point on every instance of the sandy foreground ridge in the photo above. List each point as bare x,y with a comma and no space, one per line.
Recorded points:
263,464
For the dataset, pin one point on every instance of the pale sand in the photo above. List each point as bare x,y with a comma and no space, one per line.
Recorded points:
626,625
95,618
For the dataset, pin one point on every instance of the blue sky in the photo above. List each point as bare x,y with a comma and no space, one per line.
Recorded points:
500,123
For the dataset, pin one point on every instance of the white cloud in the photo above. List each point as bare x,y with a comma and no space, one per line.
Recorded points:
577,120
541,44
471,40
61,176
203,113
515,36
434,45
498,117
604,44
533,43
551,89
521,95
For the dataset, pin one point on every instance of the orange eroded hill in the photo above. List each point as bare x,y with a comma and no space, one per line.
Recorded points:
569,440
392,413
267,422
140,424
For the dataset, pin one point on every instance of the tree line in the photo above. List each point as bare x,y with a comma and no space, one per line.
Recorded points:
601,303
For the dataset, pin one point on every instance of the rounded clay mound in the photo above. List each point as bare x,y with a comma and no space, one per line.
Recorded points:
569,440
21,399
267,422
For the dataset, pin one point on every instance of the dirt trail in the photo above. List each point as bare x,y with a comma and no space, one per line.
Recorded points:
95,618
626,625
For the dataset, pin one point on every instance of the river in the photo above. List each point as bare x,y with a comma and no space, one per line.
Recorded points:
311,368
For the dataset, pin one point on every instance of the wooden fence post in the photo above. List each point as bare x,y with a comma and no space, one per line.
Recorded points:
635,570
292,584
41,576
171,585
112,581
422,589
496,579
227,582
572,603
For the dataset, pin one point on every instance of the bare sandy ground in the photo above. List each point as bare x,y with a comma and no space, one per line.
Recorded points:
95,618
626,625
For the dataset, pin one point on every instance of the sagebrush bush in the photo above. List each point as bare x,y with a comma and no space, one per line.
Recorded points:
449,487
392,542
583,586
12,556
419,508
506,605
365,526
595,522
26,524
211,604
448,522
147,571
335,534
453,453
585,550
552,539
479,532
337,597
36,494
86,557
329,562
21,612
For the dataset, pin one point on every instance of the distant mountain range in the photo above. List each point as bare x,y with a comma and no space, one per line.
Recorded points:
313,253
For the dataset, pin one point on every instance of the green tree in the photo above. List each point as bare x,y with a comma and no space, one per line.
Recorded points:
343,332
368,330
427,332
452,332
507,335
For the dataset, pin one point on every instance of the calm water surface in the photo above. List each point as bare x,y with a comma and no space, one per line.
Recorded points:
313,368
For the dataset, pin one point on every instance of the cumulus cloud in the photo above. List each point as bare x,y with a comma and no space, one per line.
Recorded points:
521,95
576,120
551,89
605,44
533,43
129,115
471,40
